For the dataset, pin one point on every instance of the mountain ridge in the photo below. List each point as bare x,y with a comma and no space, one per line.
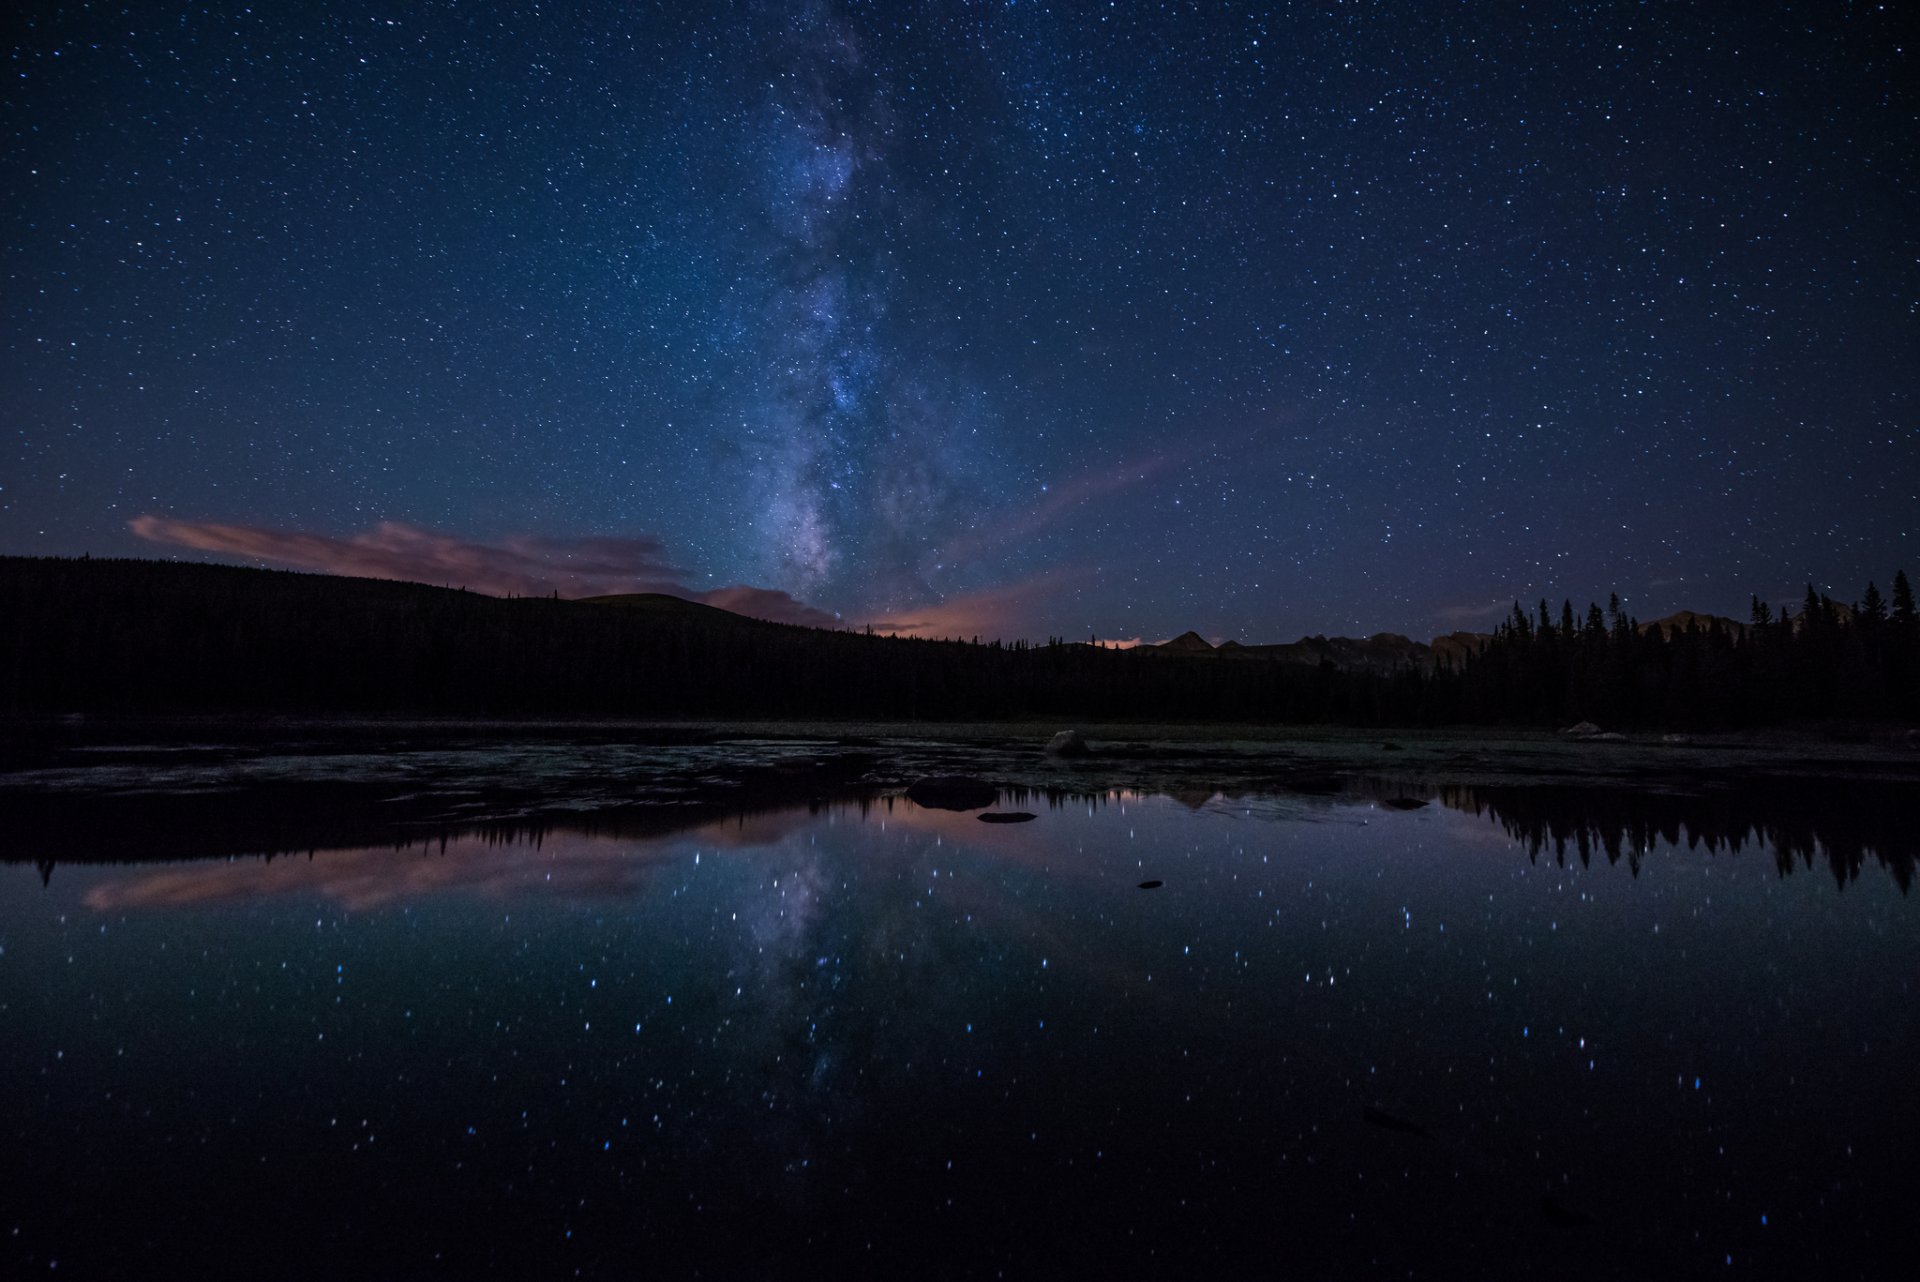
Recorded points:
1385,652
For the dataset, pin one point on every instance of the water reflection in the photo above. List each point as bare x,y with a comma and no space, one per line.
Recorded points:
1338,1036
1842,825
581,862
1839,823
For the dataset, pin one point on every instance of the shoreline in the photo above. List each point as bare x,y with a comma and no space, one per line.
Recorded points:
154,789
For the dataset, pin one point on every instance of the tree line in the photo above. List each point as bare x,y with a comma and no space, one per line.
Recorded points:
149,637
1826,660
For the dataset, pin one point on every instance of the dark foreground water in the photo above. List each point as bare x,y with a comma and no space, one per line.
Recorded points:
899,1042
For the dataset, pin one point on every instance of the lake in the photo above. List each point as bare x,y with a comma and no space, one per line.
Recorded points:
1502,1032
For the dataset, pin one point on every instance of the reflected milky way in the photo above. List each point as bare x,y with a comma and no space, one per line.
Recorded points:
1356,1032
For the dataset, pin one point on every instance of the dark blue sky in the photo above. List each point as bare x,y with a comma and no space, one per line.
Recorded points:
1011,318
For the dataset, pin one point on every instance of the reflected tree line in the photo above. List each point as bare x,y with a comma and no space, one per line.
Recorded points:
125,636
1842,824
1839,823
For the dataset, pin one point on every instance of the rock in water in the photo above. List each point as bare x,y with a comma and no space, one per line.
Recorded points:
1580,730
1068,743
952,792
1008,817
1403,803
1389,1122
1568,1216
1155,884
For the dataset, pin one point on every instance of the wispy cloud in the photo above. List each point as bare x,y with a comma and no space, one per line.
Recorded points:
526,565
1028,519
1457,614
391,550
1002,611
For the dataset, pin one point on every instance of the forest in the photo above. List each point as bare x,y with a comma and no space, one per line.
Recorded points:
156,637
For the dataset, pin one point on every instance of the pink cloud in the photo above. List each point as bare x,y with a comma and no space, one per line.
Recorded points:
390,550
525,565
988,612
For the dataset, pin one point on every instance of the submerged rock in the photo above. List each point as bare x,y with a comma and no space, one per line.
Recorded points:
1389,1122
952,792
1403,803
1568,1216
1068,743
1154,884
1007,817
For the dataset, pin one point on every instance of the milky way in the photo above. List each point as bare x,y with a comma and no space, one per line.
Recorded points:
1011,318
855,451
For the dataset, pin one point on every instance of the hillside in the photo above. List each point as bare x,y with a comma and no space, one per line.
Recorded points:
159,637
177,637
664,606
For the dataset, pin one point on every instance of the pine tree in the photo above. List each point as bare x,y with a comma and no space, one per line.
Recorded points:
1903,649
1872,610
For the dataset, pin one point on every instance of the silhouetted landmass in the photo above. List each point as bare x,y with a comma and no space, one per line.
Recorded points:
129,636
1829,660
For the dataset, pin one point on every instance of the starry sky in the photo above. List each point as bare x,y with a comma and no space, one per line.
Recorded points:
1011,318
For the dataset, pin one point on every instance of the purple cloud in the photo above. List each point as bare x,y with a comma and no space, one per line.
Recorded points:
526,565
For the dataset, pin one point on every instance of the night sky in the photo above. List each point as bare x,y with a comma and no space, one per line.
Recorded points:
1008,318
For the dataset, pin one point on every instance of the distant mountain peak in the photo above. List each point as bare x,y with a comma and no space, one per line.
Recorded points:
1680,620
1188,641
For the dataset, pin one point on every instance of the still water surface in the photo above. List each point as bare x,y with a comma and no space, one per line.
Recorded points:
885,1040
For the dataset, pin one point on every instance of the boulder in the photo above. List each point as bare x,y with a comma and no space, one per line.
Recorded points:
1068,743
1580,730
952,792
